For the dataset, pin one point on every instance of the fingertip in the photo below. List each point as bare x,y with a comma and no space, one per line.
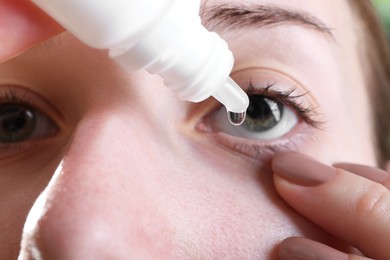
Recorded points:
368,172
22,25
299,248
301,169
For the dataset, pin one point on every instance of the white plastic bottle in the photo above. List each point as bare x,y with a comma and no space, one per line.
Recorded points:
164,37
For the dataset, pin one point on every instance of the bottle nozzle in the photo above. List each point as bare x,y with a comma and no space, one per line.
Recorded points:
234,99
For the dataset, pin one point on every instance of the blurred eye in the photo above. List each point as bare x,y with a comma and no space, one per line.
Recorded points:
266,119
19,123
21,118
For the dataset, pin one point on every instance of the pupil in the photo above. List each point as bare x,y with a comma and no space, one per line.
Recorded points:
17,123
262,113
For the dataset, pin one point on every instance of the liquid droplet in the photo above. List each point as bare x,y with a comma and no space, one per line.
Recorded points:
236,118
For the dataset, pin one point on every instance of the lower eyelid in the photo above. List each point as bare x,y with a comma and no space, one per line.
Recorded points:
261,150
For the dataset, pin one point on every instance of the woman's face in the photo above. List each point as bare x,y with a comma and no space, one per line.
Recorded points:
144,175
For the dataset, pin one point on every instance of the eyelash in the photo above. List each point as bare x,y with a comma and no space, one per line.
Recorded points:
10,96
287,98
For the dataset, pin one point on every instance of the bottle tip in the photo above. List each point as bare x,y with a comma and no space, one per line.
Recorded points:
236,118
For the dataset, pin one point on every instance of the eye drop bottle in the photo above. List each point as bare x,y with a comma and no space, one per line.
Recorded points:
164,37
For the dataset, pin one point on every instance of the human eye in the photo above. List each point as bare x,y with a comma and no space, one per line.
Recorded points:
280,115
22,120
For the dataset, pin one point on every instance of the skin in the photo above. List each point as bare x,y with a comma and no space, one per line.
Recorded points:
137,181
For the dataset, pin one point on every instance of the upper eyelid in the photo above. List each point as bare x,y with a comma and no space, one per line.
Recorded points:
286,96
268,92
15,94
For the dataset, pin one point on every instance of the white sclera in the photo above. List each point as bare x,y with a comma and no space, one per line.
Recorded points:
287,122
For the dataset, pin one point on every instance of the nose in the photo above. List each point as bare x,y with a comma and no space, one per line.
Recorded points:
104,202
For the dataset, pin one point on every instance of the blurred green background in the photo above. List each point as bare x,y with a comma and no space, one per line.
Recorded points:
383,7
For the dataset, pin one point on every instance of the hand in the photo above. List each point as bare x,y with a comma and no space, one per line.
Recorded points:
23,25
350,201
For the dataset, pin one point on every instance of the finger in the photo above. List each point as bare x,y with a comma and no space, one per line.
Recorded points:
23,25
371,173
298,248
349,206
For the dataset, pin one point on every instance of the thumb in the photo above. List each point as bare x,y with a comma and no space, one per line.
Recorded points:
351,207
22,25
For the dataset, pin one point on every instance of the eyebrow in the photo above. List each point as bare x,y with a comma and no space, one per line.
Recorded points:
237,16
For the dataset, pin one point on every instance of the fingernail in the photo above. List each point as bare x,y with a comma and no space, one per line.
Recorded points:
368,172
298,248
301,169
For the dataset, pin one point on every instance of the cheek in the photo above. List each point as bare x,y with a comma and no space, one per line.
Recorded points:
20,184
224,206
348,136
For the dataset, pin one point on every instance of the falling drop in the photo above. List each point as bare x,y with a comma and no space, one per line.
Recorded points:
236,118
